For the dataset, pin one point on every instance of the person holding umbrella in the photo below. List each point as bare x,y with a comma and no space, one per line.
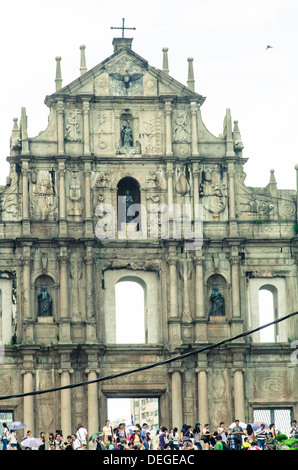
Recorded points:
13,427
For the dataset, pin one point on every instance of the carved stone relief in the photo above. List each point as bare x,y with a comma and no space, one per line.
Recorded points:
10,198
75,204
272,383
213,192
73,126
44,200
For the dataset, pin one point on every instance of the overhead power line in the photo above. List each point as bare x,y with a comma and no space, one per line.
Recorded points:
151,366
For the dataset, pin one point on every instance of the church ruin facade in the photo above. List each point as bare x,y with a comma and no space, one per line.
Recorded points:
127,184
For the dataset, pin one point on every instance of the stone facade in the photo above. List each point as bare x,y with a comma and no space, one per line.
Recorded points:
125,125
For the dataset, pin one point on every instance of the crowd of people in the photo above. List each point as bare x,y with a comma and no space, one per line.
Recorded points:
137,437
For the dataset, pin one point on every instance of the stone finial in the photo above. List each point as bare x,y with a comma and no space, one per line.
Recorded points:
272,186
190,80
228,133
83,67
58,79
238,145
24,131
165,62
15,139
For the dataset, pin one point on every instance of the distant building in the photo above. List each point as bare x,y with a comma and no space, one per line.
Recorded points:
145,410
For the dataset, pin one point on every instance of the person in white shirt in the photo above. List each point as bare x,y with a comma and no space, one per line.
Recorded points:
76,443
13,440
222,431
82,434
107,431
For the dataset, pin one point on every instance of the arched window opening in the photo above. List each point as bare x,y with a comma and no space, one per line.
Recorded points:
267,313
130,312
128,201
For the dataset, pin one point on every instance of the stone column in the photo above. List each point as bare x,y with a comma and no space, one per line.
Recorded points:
62,200
200,317
168,112
28,320
88,215
64,324
233,227
296,168
25,198
203,409
86,108
25,193
91,333
173,318
196,189
66,401
173,288
28,386
177,399
60,127
239,408
194,130
93,417
26,259
234,261
170,169
199,288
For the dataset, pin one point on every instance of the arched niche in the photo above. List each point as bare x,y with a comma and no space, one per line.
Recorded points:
128,199
216,284
48,282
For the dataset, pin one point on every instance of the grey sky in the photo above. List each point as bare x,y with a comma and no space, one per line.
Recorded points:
226,38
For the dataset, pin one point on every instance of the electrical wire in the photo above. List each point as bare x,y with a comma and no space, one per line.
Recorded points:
150,366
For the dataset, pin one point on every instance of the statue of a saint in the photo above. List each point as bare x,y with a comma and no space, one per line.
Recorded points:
44,303
129,202
218,303
126,136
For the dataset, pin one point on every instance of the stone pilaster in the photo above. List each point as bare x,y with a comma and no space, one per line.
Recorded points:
64,321
168,113
62,200
200,317
173,317
60,127
194,130
203,401
65,395
25,199
28,320
89,233
86,108
170,169
92,372
239,408
233,226
91,327
28,386
177,397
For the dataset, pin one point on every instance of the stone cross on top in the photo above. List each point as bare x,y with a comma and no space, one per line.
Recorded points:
122,27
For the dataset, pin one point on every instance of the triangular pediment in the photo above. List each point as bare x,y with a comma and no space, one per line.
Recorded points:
125,73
